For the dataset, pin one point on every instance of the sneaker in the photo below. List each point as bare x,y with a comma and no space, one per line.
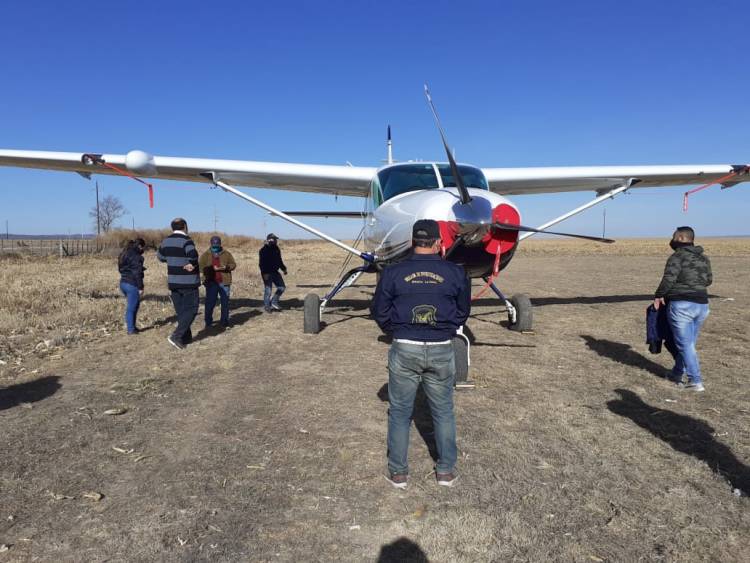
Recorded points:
276,307
697,387
174,343
268,309
399,481
446,479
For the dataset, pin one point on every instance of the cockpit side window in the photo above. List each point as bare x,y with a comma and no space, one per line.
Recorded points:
376,192
404,178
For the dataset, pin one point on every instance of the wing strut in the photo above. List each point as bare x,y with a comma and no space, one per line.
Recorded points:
596,201
227,188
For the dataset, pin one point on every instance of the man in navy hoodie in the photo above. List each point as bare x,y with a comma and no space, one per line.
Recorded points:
422,301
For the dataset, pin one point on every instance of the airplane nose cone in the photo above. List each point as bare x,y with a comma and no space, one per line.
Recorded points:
473,219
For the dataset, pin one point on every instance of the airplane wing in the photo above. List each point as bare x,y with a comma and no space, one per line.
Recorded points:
522,181
316,178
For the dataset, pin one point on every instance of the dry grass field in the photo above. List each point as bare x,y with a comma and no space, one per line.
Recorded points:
262,443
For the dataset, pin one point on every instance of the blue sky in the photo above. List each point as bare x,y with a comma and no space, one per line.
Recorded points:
516,84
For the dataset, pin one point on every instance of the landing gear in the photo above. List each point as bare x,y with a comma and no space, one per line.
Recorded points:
461,349
520,313
314,305
312,313
523,313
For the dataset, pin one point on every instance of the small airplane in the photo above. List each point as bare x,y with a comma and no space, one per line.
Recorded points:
480,227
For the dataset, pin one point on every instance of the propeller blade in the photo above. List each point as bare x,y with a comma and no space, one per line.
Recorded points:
463,192
458,243
521,228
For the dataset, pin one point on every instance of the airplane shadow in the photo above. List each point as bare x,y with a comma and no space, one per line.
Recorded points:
684,434
624,354
29,392
422,417
402,550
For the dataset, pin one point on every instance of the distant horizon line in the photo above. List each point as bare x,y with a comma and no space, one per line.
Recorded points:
60,236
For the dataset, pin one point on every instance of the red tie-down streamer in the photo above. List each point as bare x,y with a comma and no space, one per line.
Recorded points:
736,172
92,159
136,178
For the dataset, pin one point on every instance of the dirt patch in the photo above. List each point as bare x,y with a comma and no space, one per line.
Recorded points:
262,443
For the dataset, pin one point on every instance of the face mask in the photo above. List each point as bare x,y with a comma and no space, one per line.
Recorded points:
215,249
674,245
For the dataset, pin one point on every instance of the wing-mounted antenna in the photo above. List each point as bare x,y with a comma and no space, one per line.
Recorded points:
463,192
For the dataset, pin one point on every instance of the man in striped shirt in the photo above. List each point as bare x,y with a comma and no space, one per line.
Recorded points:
179,253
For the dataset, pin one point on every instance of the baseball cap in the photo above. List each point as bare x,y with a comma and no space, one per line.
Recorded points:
270,236
426,229
215,241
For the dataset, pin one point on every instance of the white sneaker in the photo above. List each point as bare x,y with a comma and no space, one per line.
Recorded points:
697,387
276,307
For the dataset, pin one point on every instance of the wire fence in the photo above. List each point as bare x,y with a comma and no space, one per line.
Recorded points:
51,247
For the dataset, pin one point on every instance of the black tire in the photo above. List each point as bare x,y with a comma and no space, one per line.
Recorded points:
461,350
524,313
312,313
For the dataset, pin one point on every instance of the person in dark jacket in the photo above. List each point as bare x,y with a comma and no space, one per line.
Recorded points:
683,291
130,265
270,263
179,253
422,301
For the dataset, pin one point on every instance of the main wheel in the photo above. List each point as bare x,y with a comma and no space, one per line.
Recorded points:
312,313
461,350
524,315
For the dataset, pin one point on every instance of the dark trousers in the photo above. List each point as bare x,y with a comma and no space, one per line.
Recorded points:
185,303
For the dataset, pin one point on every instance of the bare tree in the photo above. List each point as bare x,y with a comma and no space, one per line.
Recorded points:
110,210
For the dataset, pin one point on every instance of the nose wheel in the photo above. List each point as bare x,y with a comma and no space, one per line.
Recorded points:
520,313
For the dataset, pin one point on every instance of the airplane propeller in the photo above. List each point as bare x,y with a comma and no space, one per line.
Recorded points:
521,228
463,192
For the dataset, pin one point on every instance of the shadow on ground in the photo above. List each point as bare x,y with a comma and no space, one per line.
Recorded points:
685,434
29,392
422,417
402,550
624,354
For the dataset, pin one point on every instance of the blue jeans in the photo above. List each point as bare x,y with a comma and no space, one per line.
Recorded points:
134,302
185,303
214,290
685,320
275,279
435,368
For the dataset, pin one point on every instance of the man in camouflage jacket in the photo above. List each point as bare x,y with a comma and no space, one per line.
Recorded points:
683,291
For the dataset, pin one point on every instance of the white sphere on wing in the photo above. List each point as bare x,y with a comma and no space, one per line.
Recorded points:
140,163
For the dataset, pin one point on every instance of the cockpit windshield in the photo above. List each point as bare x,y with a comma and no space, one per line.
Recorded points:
397,180
473,177
403,178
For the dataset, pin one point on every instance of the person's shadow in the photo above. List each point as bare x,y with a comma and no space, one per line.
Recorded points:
29,392
402,550
422,417
685,434
624,354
